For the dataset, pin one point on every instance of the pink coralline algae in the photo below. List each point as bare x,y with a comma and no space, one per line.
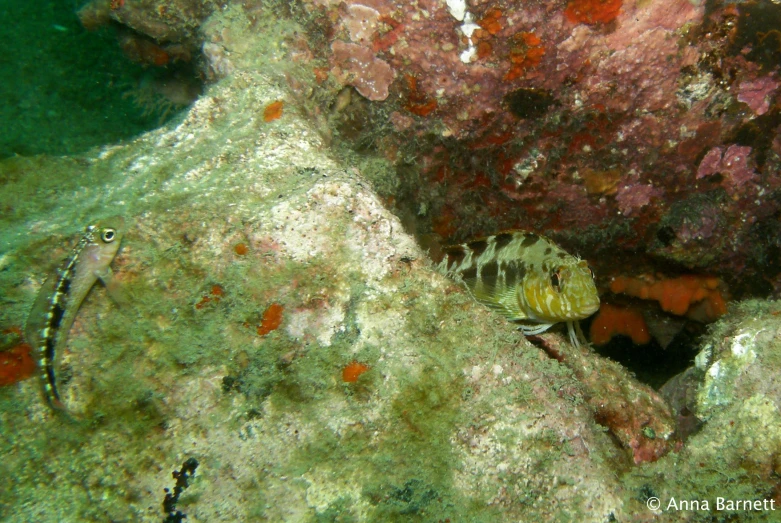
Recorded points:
757,93
734,164
705,226
361,22
642,43
631,198
356,65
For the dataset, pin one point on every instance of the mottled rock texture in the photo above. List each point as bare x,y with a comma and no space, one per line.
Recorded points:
262,259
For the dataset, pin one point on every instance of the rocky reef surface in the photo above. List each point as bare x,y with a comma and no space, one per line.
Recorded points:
285,344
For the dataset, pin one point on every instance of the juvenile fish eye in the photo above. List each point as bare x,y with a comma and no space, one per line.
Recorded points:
108,235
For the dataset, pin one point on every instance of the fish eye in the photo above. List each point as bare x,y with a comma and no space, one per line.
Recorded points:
108,235
555,280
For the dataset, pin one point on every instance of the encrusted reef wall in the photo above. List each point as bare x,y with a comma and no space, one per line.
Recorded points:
644,129
281,328
234,220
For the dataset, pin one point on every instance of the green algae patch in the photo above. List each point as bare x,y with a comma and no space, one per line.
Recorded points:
404,473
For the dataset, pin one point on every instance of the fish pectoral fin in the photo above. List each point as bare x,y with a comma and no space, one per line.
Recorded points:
114,288
105,275
503,302
118,295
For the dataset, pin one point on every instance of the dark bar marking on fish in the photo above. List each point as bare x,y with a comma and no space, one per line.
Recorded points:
53,396
489,273
469,274
478,247
49,353
455,255
514,274
503,239
529,240
65,286
57,313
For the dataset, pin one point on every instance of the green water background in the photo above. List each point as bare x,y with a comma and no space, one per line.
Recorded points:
64,89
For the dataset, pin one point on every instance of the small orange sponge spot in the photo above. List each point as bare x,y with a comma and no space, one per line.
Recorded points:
352,371
526,52
273,111
272,319
592,11
612,321
491,21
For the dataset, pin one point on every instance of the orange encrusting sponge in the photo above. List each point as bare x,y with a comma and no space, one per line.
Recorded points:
352,371
612,320
16,364
272,319
592,11
273,111
677,295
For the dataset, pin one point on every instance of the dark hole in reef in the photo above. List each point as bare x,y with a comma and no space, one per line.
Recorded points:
653,364
529,103
665,235
758,31
758,134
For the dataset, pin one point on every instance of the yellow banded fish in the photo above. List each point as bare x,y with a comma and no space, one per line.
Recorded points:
61,295
527,278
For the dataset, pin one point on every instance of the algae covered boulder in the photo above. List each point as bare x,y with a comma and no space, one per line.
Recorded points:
284,349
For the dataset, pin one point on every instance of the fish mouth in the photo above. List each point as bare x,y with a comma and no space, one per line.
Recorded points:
589,308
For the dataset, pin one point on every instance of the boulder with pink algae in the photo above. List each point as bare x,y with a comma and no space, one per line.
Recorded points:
631,198
506,115
694,232
356,65
163,21
734,164
153,33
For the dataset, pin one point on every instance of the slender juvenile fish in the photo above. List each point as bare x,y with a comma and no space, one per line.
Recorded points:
61,295
527,278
